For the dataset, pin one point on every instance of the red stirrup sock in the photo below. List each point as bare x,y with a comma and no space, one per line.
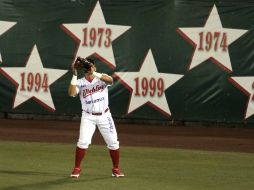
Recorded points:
115,154
80,153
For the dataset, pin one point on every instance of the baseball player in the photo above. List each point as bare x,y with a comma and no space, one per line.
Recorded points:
93,92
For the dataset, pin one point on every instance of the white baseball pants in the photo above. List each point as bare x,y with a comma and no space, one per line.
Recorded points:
105,125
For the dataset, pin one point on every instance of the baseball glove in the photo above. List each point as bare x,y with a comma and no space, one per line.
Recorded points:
85,64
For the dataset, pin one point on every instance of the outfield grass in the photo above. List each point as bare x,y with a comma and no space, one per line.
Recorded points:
35,166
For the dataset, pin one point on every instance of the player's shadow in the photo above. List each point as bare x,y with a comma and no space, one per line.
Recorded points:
62,180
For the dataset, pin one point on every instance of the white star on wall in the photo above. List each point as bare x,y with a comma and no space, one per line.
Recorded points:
246,85
211,41
148,86
33,81
96,36
4,26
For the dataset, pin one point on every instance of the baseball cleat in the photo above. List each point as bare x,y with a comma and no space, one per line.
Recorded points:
75,173
117,173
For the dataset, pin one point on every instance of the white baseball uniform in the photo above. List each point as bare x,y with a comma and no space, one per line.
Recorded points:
94,99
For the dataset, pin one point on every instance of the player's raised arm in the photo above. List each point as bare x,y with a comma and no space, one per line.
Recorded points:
72,87
104,77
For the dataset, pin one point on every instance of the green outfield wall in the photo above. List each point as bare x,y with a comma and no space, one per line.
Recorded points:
171,60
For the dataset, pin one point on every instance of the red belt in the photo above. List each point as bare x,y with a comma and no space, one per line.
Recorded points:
99,113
